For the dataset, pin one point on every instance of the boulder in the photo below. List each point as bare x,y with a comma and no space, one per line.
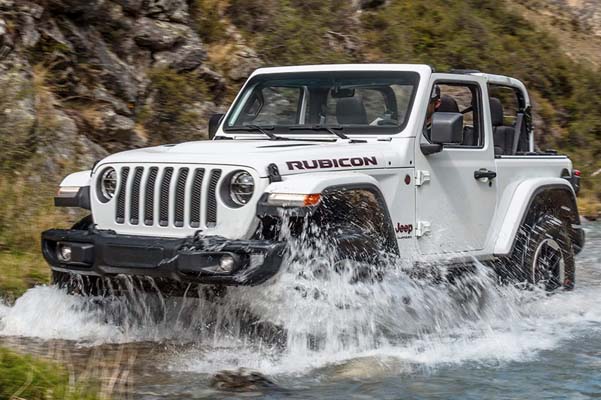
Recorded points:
116,126
242,63
28,33
215,81
131,6
370,4
88,9
91,49
168,10
160,35
242,380
29,8
183,58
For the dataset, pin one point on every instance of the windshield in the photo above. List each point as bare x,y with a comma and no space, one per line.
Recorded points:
358,102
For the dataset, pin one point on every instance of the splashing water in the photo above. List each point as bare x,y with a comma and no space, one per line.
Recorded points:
308,318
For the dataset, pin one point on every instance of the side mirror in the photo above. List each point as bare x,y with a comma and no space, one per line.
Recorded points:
447,128
214,123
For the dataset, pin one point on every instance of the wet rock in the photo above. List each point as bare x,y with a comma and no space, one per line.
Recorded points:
184,58
160,35
242,63
242,380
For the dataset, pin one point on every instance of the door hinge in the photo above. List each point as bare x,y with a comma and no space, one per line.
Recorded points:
422,228
421,177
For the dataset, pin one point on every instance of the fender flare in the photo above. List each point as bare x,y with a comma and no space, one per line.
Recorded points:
324,183
77,179
74,191
524,196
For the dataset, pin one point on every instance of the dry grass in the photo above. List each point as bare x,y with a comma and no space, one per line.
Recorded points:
21,271
27,377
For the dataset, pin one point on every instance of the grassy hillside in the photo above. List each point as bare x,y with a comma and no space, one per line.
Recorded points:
69,86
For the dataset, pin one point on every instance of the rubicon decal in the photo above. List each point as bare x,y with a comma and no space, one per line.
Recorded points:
348,162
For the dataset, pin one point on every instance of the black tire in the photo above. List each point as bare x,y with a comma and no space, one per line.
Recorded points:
359,250
543,253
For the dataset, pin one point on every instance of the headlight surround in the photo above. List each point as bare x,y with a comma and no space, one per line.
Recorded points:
107,184
241,188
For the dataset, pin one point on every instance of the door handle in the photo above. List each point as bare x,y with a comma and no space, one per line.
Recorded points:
484,173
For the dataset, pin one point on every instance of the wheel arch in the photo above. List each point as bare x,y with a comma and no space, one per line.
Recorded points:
552,194
327,185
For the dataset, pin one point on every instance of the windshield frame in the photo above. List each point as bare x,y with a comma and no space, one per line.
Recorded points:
412,77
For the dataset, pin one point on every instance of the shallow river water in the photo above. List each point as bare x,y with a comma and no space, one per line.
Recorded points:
399,339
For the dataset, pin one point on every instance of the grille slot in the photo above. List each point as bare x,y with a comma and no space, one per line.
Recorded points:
212,198
120,211
180,197
134,208
196,193
164,197
149,196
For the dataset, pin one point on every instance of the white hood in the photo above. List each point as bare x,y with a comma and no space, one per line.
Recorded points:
290,156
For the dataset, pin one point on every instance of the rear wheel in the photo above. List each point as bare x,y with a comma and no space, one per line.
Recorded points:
544,254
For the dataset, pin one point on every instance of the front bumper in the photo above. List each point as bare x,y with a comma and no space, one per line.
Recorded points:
192,259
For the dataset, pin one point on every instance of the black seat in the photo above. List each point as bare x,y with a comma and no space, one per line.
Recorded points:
448,104
350,110
502,135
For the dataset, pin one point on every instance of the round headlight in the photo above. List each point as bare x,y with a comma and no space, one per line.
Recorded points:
242,187
108,184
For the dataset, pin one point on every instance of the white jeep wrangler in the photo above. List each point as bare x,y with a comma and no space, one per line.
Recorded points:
383,159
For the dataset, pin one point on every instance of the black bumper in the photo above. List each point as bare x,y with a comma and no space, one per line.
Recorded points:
193,259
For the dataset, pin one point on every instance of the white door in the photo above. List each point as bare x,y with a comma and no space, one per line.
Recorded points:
454,210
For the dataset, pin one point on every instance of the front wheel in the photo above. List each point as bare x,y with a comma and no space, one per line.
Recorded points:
544,254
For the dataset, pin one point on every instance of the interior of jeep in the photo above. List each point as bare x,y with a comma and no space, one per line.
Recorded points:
463,98
511,120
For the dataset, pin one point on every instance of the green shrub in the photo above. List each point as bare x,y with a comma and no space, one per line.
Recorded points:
173,114
206,17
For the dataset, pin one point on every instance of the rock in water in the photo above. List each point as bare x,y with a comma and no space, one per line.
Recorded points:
241,380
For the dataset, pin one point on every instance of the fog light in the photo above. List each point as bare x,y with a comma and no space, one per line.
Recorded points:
63,252
226,264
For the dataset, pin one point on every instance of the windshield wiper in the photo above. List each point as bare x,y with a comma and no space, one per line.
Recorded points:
264,130
330,129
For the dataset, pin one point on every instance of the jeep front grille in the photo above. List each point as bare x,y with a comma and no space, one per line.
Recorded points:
168,196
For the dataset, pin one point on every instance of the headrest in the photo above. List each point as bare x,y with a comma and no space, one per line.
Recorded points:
350,110
448,104
496,111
